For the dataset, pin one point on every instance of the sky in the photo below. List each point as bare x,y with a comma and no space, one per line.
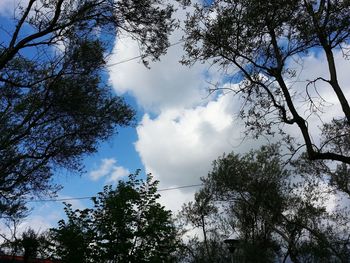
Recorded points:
180,128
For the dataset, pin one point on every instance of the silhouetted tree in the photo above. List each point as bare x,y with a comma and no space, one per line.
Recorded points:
29,243
204,215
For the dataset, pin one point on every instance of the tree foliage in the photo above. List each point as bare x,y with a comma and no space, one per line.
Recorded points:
277,212
55,102
126,224
262,40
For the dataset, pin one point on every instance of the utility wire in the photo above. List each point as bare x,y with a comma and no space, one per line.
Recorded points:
133,58
89,197
178,187
123,61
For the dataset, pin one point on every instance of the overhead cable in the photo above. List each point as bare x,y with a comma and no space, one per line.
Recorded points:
89,197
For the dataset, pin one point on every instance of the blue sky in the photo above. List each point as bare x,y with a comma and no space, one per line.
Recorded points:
179,130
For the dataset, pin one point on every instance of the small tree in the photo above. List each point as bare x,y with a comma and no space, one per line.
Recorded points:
29,243
126,224
205,215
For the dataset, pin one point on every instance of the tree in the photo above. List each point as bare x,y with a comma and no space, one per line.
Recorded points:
29,244
126,224
275,211
261,40
34,245
55,102
10,241
203,214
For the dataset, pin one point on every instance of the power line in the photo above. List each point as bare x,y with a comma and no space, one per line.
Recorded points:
89,197
58,199
123,61
133,58
179,187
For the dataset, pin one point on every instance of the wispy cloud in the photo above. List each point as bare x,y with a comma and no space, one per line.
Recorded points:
108,169
105,168
117,173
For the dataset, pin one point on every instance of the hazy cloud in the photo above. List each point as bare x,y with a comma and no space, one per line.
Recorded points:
105,168
10,7
117,173
109,170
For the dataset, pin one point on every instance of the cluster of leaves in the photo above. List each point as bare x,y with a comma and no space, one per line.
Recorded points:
126,224
275,211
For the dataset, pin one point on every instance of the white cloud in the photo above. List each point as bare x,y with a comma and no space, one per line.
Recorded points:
8,231
309,68
178,146
174,199
190,131
109,169
105,168
38,223
14,8
167,84
118,173
314,66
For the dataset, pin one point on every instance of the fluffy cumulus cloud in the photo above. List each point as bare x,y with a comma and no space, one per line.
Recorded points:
190,129
104,169
167,84
117,173
178,147
174,199
109,170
